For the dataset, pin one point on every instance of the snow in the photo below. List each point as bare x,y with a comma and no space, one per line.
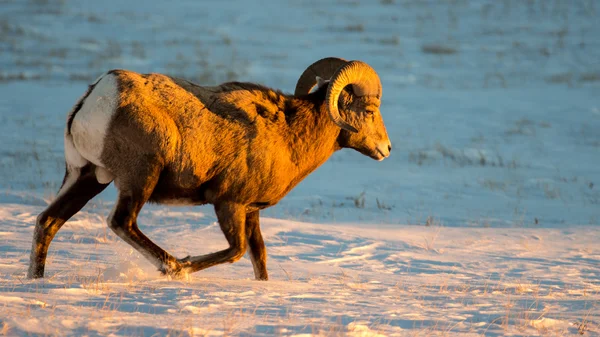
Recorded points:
483,221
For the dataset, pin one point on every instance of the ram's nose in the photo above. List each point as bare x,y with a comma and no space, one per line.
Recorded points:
384,149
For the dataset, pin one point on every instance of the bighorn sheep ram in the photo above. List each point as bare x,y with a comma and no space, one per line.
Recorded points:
238,146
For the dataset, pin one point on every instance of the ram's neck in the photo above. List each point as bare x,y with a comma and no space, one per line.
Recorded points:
313,136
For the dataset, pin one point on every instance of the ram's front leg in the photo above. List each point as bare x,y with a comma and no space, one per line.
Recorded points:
232,219
256,245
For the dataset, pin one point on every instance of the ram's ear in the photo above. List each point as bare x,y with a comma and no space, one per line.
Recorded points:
320,82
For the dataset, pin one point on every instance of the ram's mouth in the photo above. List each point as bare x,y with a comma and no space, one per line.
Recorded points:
381,155
377,155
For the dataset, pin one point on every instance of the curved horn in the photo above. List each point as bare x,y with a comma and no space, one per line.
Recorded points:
324,68
365,82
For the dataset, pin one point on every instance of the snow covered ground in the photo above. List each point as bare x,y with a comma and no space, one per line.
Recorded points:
484,221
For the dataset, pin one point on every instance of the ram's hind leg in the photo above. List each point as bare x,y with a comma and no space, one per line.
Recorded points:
256,245
134,191
232,218
79,186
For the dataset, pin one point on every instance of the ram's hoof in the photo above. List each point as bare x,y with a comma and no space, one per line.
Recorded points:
174,270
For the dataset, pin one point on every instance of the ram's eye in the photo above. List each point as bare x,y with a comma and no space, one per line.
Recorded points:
370,112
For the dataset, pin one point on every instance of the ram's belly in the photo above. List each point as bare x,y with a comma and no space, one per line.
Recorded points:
174,188
260,195
178,196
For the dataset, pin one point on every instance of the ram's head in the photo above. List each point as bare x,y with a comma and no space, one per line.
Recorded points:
353,99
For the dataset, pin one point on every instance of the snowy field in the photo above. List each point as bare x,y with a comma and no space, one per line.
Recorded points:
485,220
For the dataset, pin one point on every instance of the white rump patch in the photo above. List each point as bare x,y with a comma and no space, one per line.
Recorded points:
72,157
82,97
92,120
